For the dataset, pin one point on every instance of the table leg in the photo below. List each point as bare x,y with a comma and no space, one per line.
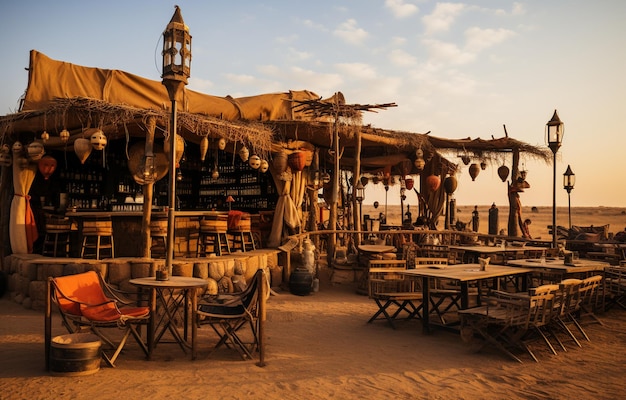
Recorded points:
152,321
465,295
425,305
194,326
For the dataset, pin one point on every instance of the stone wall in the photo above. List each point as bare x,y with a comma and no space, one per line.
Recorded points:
27,274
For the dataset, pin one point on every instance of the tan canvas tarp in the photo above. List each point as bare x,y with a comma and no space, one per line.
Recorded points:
49,79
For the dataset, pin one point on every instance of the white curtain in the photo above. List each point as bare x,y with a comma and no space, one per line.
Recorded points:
22,227
291,194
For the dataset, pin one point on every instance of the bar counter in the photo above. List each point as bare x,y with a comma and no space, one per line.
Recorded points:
127,230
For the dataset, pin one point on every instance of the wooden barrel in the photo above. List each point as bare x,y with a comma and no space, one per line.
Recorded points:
214,223
75,354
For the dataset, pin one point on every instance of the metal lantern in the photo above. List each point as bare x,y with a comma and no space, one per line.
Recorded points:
35,151
45,136
569,179
17,147
254,162
176,49
554,132
98,140
64,135
221,143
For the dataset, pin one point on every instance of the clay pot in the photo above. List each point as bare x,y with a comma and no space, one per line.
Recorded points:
474,170
503,172
297,160
47,165
450,184
433,182
82,148
204,147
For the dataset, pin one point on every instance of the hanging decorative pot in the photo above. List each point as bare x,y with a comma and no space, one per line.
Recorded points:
297,160
17,147
45,136
264,166
5,159
244,153
180,147
47,165
254,161
279,162
419,162
450,184
5,148
64,135
215,174
82,148
98,140
408,182
503,172
466,159
474,170
483,165
365,180
35,151
221,143
433,182
204,147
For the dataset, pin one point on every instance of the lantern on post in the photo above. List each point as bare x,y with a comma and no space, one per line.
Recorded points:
359,195
176,70
554,137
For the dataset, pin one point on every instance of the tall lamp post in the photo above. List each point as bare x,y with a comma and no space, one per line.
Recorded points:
554,137
359,195
569,179
176,69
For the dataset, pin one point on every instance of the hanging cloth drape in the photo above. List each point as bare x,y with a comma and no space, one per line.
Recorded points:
291,193
22,227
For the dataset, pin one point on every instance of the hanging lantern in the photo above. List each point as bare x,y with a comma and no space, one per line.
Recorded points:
179,175
474,169
215,173
17,147
433,182
35,151
221,143
297,160
503,172
47,165
64,135
364,180
450,184
5,159
419,164
244,153
204,147
408,182
466,159
264,166
45,136
97,139
82,148
483,165
254,162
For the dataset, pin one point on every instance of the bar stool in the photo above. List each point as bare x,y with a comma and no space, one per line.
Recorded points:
158,237
240,228
213,234
56,241
97,238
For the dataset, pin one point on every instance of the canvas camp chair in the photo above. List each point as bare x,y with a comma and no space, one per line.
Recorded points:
87,303
229,314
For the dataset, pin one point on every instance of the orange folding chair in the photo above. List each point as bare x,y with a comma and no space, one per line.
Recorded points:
87,303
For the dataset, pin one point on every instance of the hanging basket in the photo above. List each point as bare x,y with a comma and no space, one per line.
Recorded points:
433,182
297,160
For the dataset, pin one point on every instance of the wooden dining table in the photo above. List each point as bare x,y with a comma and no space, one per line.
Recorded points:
464,274
577,269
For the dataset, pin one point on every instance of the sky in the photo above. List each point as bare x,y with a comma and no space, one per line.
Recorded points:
456,69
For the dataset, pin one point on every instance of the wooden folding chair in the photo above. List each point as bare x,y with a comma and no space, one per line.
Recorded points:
394,294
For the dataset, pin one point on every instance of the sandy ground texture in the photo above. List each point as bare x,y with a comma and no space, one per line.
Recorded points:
320,347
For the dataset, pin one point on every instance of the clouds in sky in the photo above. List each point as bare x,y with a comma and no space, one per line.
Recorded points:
350,32
400,9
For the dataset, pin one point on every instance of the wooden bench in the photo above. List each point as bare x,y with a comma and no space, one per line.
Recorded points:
394,294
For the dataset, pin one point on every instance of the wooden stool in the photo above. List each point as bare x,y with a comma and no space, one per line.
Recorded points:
97,236
242,240
158,237
212,234
56,241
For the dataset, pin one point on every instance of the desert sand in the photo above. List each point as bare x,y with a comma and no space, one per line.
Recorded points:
320,347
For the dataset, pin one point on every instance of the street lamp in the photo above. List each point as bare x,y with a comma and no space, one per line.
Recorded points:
554,137
569,179
176,69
